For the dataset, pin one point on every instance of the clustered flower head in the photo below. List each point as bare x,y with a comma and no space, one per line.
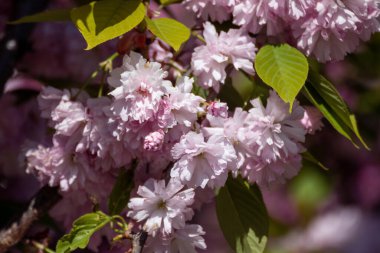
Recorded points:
180,145
325,29
184,145
210,61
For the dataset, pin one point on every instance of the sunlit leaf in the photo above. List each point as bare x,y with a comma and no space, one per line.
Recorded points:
105,20
284,69
83,228
169,30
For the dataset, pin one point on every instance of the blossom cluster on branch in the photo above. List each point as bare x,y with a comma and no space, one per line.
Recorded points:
325,29
172,133
161,116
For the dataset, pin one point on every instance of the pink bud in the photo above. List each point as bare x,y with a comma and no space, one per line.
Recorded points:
154,140
218,109
312,119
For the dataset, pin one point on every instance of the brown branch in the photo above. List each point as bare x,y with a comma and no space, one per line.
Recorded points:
138,241
45,198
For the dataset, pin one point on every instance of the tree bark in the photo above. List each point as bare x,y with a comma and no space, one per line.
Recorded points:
45,198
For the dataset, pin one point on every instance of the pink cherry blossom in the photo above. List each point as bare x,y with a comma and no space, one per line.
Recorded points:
217,109
290,10
160,51
162,207
209,61
184,240
368,12
235,130
216,10
336,28
201,162
184,105
253,15
273,173
278,133
139,86
60,166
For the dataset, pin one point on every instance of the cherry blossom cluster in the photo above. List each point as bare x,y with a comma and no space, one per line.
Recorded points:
158,115
184,146
325,29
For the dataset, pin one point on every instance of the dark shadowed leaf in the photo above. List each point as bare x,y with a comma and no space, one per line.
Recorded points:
230,95
327,99
121,191
242,216
308,157
46,16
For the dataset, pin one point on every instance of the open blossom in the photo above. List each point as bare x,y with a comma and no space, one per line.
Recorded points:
145,106
184,240
218,109
253,15
184,105
138,108
209,61
278,133
163,208
49,98
336,28
273,173
234,129
292,9
368,12
85,125
216,10
60,166
68,117
201,162
139,86
267,140
160,51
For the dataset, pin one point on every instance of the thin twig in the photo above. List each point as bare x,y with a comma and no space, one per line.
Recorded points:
45,198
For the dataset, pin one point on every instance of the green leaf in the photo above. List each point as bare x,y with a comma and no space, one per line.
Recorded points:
83,228
230,95
327,99
169,30
243,85
242,216
284,69
46,16
167,2
105,20
121,191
